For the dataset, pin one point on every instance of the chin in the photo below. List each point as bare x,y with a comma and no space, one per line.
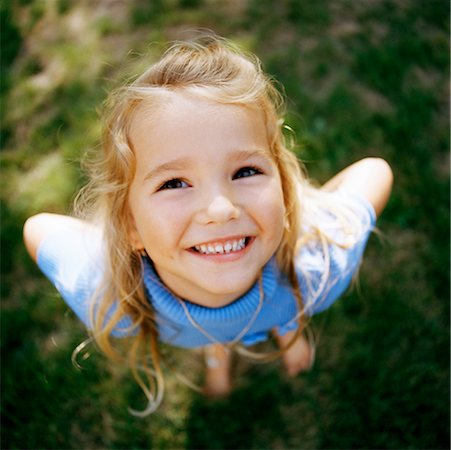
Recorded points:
231,289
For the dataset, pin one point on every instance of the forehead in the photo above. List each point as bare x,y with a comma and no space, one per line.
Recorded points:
181,113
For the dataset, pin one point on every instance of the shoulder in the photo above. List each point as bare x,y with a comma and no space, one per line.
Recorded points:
331,247
335,229
40,226
337,215
70,253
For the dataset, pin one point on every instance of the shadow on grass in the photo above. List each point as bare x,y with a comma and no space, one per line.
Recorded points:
250,418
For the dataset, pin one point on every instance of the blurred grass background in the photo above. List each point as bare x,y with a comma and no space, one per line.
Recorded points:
363,78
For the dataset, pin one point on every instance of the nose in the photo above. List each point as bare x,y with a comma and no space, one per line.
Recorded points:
219,209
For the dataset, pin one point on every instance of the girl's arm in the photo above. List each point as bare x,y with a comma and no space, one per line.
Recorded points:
69,252
38,227
370,177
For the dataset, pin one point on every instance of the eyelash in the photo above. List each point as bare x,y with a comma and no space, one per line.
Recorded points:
169,184
255,170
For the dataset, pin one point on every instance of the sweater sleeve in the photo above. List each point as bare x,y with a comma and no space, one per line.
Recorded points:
325,268
73,262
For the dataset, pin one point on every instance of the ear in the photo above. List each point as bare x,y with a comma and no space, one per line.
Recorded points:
133,235
135,241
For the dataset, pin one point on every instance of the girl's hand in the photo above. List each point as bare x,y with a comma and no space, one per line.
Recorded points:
370,177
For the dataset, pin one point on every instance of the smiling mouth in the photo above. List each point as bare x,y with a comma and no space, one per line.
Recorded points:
220,248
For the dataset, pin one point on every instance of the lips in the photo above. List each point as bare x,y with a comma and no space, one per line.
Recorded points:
222,247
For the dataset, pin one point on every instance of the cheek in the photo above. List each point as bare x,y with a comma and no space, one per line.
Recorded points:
271,210
159,226
277,221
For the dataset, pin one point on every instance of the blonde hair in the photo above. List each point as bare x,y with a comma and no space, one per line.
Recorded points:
214,69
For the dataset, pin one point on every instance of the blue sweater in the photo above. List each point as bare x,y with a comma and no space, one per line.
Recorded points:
73,261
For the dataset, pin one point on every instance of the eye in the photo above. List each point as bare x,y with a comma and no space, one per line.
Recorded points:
247,171
175,183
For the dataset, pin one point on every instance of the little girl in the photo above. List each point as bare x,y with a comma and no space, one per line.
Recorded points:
199,227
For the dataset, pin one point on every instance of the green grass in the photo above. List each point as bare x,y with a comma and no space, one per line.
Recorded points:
362,78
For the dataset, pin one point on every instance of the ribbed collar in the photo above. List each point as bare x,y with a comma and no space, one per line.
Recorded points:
168,306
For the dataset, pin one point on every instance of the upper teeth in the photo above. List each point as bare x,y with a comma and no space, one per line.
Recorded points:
226,247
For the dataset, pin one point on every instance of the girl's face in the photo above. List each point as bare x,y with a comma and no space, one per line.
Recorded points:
206,199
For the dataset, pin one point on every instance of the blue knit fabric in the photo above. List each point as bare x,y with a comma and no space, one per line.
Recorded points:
73,263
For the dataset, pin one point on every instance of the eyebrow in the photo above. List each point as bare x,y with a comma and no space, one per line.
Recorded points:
242,155
169,166
184,162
